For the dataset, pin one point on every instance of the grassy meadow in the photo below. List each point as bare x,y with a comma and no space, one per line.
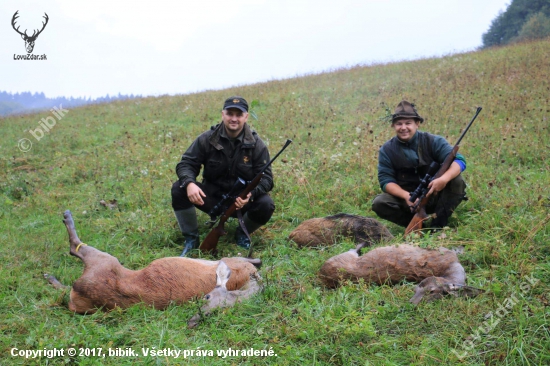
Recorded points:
127,151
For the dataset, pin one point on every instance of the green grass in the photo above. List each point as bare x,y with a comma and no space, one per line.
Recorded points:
128,151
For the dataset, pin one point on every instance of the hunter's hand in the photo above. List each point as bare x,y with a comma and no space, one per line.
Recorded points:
411,204
239,202
195,194
436,186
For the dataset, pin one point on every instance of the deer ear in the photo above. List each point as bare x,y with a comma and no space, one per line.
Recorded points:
418,295
23,36
222,274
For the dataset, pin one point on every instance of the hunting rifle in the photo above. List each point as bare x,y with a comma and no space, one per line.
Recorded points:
419,194
211,241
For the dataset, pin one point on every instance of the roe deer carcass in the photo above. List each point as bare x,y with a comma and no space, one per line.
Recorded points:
324,230
106,284
438,270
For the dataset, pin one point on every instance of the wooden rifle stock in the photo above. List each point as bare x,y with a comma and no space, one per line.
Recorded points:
211,241
421,215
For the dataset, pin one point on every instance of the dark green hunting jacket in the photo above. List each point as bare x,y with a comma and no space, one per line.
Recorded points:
224,160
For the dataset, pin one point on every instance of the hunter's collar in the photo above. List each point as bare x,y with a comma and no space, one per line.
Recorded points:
412,142
223,133
246,137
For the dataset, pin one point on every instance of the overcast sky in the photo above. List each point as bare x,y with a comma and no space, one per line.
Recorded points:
103,47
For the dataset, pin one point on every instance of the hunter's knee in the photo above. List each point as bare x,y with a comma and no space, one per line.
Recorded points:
457,185
262,209
379,204
179,197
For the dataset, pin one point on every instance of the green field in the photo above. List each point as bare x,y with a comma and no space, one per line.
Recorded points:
128,151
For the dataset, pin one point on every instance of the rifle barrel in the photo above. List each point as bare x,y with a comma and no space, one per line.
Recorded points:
288,142
468,127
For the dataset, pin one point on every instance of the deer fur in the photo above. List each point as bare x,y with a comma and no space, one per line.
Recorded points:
325,230
106,284
438,271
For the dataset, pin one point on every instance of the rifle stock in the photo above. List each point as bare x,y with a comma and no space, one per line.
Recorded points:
211,241
417,220
420,215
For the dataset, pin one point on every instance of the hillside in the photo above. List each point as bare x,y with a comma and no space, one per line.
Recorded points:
128,150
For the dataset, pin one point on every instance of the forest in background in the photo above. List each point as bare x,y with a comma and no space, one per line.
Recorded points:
523,20
27,102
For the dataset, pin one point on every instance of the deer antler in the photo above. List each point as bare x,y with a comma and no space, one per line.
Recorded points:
15,16
34,34
43,26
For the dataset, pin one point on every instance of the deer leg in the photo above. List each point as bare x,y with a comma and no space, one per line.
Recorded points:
360,246
73,237
54,282
257,262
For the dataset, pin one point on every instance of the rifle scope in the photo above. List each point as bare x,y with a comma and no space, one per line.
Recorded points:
233,193
423,186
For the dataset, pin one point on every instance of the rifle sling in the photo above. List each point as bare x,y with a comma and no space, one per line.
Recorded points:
243,226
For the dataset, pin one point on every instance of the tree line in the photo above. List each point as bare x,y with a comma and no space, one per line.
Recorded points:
27,102
523,20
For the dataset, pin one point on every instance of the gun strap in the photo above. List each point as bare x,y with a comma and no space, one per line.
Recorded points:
243,226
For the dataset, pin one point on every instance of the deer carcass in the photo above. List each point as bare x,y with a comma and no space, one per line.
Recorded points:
438,270
324,230
106,284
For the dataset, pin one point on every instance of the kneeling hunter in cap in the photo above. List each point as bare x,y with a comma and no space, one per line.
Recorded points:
228,151
404,160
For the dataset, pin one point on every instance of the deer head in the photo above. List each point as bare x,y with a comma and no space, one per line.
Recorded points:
436,287
29,40
220,297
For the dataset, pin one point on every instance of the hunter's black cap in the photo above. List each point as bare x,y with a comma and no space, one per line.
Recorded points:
236,102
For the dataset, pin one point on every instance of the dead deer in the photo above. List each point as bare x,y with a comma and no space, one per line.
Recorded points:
438,270
324,230
106,284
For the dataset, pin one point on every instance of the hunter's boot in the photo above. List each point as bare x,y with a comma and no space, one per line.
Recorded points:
187,221
240,237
